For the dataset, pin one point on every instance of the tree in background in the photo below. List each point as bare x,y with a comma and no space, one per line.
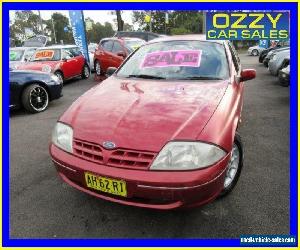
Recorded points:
120,22
180,22
24,19
62,28
99,31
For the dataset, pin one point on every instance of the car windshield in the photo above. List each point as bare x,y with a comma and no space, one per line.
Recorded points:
16,54
134,44
46,55
183,60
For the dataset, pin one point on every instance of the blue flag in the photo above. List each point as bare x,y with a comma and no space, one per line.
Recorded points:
78,28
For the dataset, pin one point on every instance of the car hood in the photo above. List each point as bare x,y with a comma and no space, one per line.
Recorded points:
39,65
144,114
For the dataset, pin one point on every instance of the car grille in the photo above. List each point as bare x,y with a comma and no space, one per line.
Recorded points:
122,158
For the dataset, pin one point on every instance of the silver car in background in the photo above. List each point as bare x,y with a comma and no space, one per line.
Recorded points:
278,61
268,56
255,50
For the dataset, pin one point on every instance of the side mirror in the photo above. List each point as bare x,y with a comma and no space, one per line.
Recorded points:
121,53
247,74
110,71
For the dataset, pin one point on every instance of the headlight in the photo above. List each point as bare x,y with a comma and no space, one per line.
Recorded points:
55,79
187,155
46,68
62,136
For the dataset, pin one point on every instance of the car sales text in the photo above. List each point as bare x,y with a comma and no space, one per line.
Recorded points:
247,26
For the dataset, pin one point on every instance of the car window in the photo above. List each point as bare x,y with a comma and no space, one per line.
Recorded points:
178,60
15,54
235,58
117,47
67,53
151,37
47,54
107,45
28,54
74,51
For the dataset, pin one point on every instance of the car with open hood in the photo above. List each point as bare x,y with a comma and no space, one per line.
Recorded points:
65,61
162,131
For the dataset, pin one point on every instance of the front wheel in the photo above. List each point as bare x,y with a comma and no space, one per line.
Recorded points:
35,98
97,67
234,166
85,72
254,52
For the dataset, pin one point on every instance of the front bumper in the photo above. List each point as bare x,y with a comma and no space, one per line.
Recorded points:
55,91
148,189
283,77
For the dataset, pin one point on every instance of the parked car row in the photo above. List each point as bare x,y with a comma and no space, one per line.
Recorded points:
277,60
53,65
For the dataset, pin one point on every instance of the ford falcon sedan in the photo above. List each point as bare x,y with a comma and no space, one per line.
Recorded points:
161,131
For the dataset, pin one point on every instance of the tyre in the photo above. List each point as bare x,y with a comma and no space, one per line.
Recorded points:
234,166
35,98
254,52
59,76
97,67
85,72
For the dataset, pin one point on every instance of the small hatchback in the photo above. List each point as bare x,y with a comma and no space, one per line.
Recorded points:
160,132
65,61
111,52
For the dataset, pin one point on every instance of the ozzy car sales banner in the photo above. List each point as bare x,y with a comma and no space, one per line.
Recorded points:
247,25
78,28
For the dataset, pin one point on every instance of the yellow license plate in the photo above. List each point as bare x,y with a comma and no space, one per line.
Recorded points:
107,185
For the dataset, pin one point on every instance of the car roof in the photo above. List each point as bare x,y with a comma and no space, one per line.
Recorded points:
197,37
22,48
60,46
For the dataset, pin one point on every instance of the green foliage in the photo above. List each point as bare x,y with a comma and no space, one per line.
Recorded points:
60,22
180,22
23,19
99,31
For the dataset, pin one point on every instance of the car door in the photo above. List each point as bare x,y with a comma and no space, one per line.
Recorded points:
69,64
80,59
116,59
104,53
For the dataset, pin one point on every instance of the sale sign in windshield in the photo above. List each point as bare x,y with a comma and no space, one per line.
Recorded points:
247,25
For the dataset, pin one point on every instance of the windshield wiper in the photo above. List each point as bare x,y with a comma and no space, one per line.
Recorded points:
146,76
201,78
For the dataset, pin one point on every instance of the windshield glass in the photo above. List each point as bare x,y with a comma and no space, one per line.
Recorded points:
16,54
46,55
177,60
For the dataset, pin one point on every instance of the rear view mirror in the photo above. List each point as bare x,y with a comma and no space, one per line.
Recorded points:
247,74
121,53
110,71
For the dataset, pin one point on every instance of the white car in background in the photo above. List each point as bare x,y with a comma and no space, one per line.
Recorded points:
91,49
255,50
18,55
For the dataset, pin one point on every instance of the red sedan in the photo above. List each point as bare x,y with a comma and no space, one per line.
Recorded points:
111,52
65,61
161,131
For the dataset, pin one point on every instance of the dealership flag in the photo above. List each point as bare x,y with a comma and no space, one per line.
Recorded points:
78,28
